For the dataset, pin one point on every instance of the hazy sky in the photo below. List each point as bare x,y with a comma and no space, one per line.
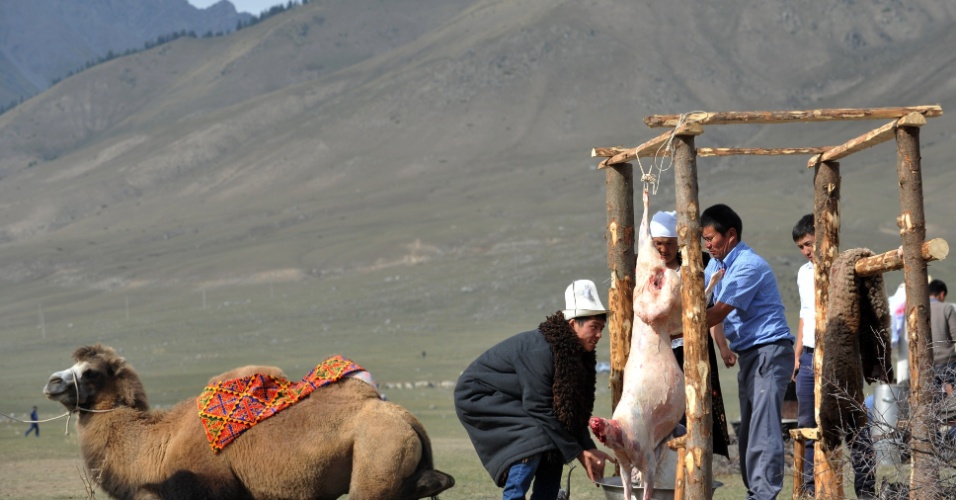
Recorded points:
251,6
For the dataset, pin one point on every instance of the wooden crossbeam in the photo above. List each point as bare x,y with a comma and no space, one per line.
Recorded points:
649,148
813,434
813,115
934,249
705,152
868,140
606,152
762,151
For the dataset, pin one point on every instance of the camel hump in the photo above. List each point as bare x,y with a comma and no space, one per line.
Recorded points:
248,371
429,483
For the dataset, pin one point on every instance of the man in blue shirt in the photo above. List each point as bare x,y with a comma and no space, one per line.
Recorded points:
748,303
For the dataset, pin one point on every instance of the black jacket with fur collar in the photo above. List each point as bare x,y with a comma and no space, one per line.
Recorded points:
532,393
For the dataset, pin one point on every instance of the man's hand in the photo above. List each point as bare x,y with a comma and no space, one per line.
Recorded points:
730,359
593,461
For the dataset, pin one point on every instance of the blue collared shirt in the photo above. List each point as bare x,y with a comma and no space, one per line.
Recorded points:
751,288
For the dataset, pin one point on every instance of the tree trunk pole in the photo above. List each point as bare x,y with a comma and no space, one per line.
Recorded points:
827,471
621,261
697,457
925,474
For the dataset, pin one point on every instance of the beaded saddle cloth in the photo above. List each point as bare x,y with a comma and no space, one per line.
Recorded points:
230,407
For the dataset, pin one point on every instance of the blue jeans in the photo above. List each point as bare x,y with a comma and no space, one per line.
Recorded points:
546,476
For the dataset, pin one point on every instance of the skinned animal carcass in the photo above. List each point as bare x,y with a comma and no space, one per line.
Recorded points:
653,399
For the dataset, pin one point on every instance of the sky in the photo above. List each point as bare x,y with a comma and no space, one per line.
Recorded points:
253,7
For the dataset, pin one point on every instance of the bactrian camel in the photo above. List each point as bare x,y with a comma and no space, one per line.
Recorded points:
341,439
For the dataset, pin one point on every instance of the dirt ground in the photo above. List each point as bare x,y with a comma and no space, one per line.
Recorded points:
24,480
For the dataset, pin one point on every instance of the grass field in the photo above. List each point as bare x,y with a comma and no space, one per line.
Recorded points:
176,341
50,467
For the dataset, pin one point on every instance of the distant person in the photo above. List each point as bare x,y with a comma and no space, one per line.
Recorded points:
526,401
34,425
747,302
943,328
664,237
862,455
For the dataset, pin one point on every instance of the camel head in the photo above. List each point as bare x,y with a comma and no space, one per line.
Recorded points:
100,380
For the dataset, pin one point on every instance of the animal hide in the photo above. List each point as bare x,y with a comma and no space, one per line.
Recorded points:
856,346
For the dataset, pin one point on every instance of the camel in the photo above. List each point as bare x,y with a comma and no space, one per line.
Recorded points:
341,439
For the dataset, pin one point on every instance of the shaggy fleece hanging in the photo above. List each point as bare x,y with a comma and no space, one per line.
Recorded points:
856,346
230,407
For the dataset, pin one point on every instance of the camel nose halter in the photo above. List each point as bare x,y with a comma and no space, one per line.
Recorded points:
76,406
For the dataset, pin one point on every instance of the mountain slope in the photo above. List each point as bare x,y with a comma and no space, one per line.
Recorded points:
44,40
349,138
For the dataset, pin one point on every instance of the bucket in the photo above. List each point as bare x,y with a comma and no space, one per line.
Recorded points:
614,489
889,405
887,452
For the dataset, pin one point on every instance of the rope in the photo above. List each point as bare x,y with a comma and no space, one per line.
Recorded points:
34,421
650,180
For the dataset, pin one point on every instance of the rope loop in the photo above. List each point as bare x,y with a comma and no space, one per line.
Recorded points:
661,164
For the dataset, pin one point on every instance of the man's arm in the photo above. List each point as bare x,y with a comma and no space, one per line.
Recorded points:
718,313
717,332
951,322
797,349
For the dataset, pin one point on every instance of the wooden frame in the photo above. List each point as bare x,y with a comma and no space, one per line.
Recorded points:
695,451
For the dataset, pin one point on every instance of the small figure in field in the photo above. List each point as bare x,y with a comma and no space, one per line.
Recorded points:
34,425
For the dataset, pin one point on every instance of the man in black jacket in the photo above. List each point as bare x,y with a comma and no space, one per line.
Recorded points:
525,402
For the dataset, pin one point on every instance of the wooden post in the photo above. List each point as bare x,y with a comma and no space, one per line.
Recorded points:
697,458
827,473
924,478
621,261
799,462
679,445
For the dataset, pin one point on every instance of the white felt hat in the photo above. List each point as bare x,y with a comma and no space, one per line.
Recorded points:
581,299
664,225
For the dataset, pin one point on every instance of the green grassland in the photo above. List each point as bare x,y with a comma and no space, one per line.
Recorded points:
176,344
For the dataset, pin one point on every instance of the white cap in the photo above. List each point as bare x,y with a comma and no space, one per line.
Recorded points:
581,299
664,225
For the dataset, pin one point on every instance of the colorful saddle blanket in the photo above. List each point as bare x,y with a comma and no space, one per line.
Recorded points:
230,407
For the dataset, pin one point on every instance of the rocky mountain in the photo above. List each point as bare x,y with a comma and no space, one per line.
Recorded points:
45,40
348,144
